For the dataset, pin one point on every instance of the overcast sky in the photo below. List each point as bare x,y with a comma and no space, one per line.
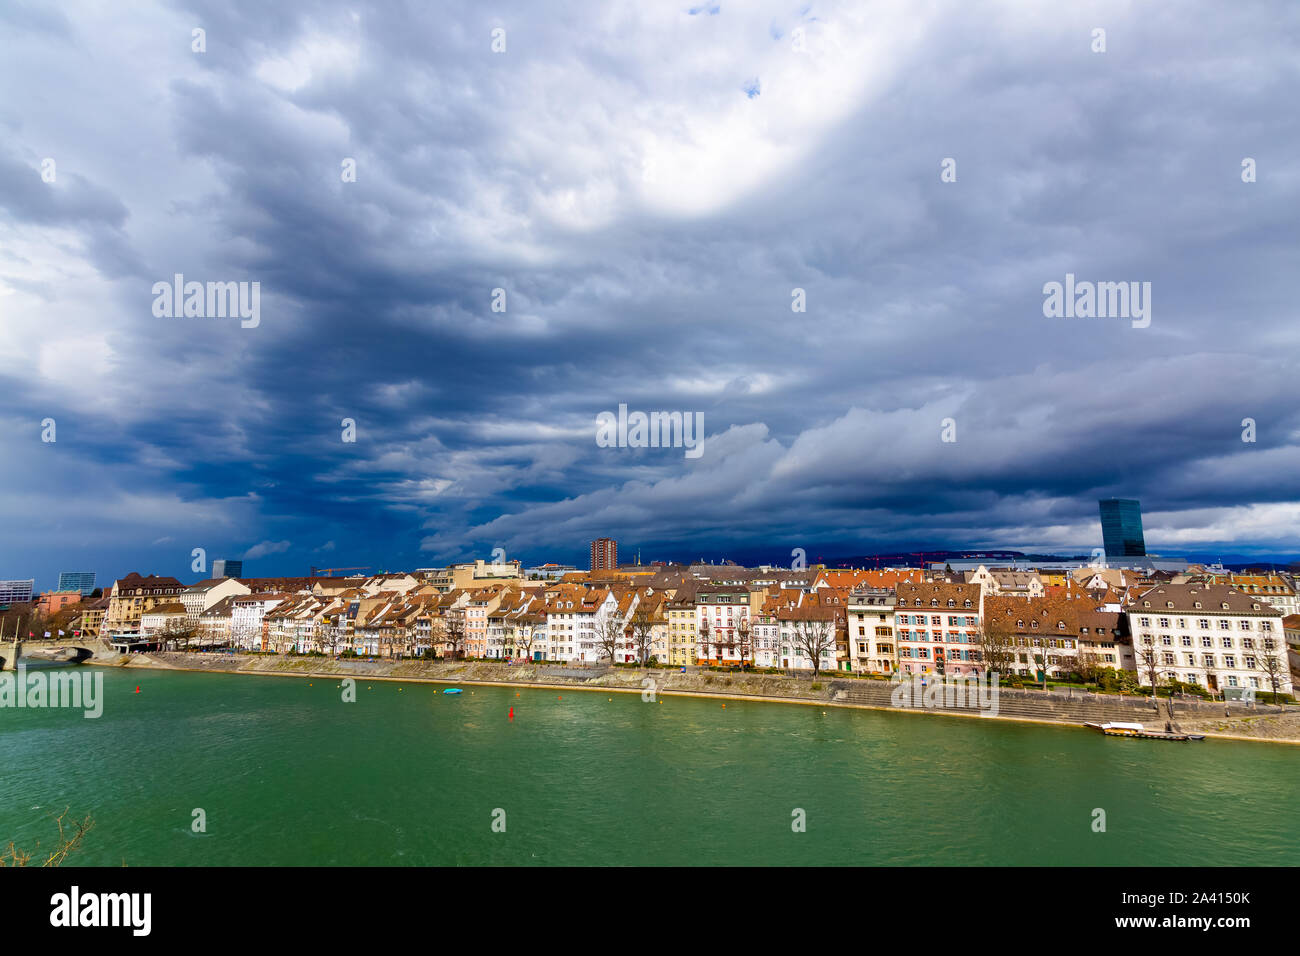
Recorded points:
648,182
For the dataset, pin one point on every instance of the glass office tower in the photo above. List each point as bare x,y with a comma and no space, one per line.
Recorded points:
83,581
1121,527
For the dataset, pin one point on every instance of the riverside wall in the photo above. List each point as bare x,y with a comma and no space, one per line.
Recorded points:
1232,720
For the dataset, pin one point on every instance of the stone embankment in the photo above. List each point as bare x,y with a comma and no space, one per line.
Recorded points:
1074,708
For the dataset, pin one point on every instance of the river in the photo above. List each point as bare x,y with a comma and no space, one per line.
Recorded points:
286,772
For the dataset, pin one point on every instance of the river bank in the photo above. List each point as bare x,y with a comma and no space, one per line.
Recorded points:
1242,722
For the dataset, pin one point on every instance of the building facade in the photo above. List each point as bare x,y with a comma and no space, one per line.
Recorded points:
51,602
16,591
83,581
1212,635
227,568
872,647
1121,527
604,554
938,628
135,594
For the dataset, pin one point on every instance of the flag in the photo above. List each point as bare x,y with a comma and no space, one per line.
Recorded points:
47,633
60,633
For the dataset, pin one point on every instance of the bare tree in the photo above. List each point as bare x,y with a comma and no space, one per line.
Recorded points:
705,641
643,624
609,634
1149,661
744,631
1274,665
525,637
997,645
67,844
814,636
1041,660
179,632
453,635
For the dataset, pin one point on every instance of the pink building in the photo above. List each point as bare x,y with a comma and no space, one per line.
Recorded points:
51,602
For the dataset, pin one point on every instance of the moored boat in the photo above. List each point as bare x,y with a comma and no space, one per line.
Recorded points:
1120,728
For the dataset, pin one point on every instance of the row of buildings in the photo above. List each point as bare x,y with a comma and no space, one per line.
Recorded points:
1214,629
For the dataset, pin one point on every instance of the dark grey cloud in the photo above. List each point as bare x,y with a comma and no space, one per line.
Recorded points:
648,221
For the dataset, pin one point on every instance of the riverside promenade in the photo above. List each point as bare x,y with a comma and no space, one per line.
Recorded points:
1233,720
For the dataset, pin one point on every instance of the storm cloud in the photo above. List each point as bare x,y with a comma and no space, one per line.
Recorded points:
648,185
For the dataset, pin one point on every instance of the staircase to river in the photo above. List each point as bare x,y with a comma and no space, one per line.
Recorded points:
1028,705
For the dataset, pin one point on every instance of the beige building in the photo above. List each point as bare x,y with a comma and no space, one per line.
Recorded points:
472,575
133,595
1008,583
92,617
680,613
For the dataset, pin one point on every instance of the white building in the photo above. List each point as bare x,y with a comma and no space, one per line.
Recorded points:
872,648
198,598
575,618
246,613
1212,635
723,629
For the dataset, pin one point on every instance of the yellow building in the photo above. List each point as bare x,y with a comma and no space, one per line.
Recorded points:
680,611
133,595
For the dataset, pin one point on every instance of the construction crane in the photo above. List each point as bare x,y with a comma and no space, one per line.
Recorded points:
328,572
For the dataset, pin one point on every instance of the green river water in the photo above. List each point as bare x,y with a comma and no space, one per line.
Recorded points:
289,774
